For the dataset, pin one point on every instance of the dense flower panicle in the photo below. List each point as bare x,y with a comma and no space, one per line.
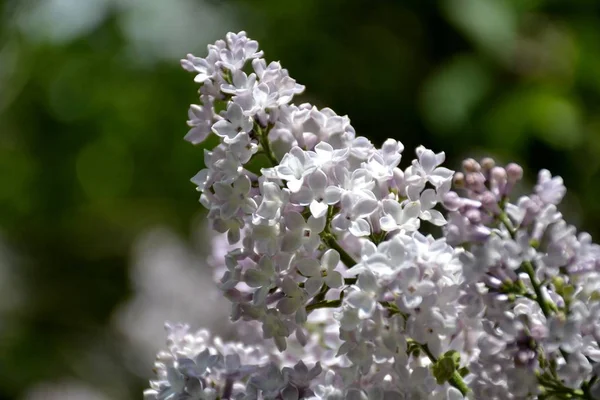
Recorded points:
322,255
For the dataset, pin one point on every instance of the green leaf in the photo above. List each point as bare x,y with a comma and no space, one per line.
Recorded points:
443,370
454,356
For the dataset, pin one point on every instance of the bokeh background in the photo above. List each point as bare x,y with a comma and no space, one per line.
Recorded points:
101,235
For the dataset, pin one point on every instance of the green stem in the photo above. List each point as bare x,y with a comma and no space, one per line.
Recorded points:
528,268
346,258
329,239
323,304
456,380
264,142
554,387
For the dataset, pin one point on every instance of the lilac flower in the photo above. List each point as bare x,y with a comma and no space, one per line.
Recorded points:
234,124
334,268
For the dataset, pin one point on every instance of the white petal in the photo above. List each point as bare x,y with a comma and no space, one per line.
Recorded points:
290,288
340,223
316,225
301,315
313,285
392,208
333,194
224,129
254,278
288,305
388,223
411,210
347,201
260,296
292,241
334,279
324,149
414,191
360,228
302,197
411,301
228,210
317,181
363,302
428,161
294,220
309,267
454,394
364,207
367,281
330,259
295,185
223,190
428,198
437,218
318,209
242,184
268,210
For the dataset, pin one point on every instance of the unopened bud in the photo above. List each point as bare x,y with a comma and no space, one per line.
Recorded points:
514,172
459,180
488,163
470,165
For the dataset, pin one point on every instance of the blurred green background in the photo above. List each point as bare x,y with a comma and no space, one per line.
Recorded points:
100,238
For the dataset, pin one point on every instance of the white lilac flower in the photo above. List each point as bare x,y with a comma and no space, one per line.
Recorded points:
513,306
364,299
293,168
200,120
300,377
294,301
319,273
234,124
301,233
413,287
382,162
259,99
274,198
324,155
240,85
243,148
398,217
274,327
428,200
426,169
262,277
317,194
234,197
239,50
355,209
357,180
550,189
577,369
204,67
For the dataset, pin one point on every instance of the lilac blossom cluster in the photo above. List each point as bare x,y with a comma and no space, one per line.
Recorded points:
337,292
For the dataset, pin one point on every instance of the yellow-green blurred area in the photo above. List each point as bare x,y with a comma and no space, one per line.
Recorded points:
99,237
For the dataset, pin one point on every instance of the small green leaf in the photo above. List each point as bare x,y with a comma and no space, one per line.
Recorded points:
443,370
454,356
464,371
568,292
